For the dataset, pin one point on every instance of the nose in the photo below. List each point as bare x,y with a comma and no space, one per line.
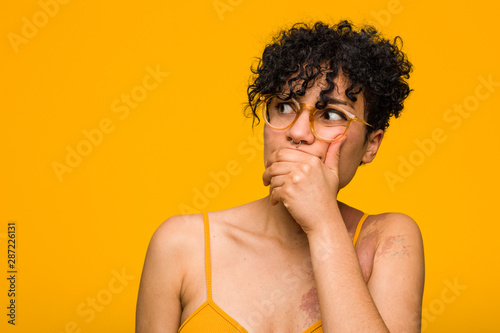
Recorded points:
300,131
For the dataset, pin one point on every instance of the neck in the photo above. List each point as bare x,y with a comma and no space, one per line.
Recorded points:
276,222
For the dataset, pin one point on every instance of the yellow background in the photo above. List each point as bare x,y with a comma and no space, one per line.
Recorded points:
76,232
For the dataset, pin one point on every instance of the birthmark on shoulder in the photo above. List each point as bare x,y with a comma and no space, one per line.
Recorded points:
310,304
394,247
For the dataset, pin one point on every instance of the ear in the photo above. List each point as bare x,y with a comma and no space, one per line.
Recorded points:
372,145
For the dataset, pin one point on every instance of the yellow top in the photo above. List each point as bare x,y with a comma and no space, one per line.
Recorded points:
209,317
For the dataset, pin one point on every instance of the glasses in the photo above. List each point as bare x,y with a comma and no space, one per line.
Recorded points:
328,124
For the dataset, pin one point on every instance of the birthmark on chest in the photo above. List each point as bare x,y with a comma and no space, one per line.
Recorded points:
310,304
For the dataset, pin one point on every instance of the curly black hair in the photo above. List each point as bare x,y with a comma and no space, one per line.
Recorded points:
373,66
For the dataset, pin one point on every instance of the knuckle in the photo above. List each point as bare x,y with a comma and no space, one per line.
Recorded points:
285,190
296,178
305,167
273,168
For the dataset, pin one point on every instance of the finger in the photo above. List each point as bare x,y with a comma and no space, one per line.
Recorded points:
277,169
278,181
287,155
333,154
275,195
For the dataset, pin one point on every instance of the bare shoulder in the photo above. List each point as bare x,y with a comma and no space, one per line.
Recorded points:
388,238
389,227
177,232
168,259
386,225
397,279
176,243
394,234
172,245
394,223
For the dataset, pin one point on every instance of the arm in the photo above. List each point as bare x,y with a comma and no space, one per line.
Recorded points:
308,188
158,303
392,300
397,280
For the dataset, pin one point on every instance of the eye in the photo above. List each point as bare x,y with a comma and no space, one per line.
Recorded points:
285,108
332,115
281,106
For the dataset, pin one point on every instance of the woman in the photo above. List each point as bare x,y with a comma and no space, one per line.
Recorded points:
298,260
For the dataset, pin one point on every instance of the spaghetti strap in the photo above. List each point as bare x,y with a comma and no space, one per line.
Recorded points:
358,228
208,272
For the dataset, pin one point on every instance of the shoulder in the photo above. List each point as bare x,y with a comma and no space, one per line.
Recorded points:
173,247
397,280
169,256
380,227
398,239
177,228
391,230
393,226
176,236
388,238
393,223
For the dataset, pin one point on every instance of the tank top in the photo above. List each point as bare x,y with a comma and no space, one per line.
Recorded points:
209,317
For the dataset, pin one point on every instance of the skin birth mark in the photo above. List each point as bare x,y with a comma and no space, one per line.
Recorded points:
393,246
310,304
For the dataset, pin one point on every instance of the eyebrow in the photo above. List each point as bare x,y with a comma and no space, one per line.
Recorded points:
333,100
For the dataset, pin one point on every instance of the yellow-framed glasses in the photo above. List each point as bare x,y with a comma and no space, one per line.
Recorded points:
328,124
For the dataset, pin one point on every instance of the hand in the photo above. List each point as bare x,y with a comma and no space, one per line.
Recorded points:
305,185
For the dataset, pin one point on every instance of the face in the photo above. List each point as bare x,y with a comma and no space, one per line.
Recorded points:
354,150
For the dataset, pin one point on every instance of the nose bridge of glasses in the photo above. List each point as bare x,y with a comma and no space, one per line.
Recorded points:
312,111
302,125
300,114
303,107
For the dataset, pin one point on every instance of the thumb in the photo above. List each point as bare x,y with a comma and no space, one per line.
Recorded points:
333,154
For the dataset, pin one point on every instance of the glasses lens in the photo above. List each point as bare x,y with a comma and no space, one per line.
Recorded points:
330,124
279,112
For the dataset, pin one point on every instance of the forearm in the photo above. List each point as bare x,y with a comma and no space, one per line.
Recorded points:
345,302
